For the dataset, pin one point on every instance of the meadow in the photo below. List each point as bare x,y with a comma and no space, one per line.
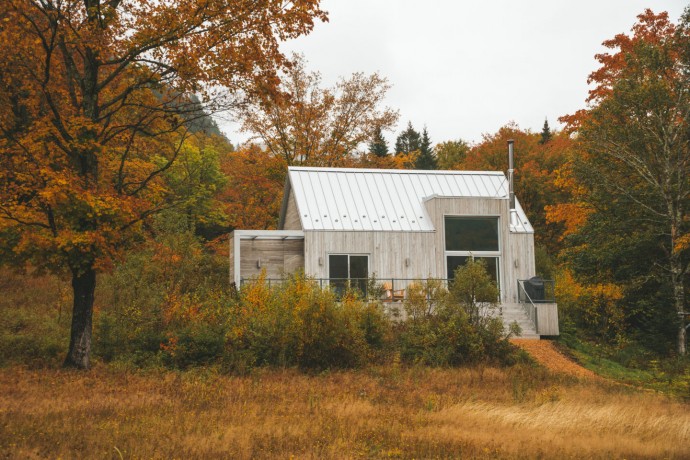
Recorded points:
378,412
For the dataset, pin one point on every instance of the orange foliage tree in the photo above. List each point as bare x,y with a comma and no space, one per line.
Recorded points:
253,195
310,125
95,110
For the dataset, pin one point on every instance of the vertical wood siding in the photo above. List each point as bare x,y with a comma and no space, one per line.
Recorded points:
277,257
387,252
292,219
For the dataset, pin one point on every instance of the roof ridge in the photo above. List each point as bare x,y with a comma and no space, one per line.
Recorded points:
394,171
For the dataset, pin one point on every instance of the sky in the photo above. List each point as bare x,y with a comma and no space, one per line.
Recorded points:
464,69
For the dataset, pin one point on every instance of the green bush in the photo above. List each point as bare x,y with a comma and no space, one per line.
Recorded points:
459,326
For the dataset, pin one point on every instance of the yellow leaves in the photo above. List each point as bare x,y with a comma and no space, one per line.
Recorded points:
597,305
682,243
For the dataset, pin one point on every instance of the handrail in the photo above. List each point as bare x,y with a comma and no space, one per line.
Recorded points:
546,293
530,308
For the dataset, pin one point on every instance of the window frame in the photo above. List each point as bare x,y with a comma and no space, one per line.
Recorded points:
349,255
498,255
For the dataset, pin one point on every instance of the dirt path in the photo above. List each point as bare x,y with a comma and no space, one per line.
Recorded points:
545,353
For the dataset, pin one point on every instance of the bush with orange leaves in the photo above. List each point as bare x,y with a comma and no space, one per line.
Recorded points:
299,324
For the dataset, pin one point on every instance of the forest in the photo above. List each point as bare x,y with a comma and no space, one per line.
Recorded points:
118,192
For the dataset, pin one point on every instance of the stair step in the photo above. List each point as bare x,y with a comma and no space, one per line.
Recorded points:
514,313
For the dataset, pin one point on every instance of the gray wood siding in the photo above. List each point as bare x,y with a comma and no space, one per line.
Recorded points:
547,319
292,220
520,263
277,257
387,252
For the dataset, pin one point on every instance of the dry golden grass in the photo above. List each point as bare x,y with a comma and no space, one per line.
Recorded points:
381,413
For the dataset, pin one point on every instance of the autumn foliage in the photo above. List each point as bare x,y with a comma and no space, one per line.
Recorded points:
98,99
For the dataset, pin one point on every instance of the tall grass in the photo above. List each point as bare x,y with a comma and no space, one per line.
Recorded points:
379,412
35,315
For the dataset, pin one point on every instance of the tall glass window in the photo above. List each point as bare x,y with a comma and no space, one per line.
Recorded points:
472,237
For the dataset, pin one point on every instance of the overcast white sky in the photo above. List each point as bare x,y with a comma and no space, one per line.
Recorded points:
467,68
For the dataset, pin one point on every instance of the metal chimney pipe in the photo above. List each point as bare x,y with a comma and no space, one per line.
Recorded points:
511,191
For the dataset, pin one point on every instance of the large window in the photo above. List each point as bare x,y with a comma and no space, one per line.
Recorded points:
472,238
344,269
471,233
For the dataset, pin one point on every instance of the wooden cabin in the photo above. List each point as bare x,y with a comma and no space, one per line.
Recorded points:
398,226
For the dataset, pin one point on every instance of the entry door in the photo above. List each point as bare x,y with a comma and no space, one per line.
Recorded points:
352,269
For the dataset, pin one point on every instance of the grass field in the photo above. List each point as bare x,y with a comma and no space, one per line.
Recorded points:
392,412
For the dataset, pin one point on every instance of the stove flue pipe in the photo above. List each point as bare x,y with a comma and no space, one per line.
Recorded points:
511,190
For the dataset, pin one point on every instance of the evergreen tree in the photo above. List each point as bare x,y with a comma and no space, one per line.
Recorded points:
408,141
545,133
378,145
426,158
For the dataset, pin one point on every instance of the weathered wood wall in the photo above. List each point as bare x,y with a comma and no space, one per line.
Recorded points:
387,252
519,264
276,256
292,220
547,319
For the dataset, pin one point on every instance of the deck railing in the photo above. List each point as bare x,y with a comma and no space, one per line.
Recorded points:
537,291
384,289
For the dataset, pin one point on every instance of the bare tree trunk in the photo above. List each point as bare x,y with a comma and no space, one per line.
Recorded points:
83,286
677,275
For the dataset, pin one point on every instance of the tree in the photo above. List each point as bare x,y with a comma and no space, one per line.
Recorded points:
426,158
545,133
97,107
378,145
635,154
450,154
254,192
311,125
408,141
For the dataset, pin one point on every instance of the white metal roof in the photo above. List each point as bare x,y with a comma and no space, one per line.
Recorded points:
387,199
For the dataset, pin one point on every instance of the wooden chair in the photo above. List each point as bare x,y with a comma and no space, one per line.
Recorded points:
391,295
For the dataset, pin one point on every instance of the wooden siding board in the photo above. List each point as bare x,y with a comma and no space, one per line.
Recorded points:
387,252
278,257
292,217
547,319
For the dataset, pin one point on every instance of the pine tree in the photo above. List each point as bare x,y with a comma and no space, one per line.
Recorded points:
545,133
378,145
408,141
426,158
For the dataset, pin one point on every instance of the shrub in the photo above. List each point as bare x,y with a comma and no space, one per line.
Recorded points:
459,326
299,324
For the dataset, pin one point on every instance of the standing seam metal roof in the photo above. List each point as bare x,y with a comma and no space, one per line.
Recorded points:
388,199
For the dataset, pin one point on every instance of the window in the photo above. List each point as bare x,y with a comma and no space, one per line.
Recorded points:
458,261
472,238
344,269
472,234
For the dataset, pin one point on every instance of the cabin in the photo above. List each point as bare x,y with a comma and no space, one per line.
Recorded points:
343,226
